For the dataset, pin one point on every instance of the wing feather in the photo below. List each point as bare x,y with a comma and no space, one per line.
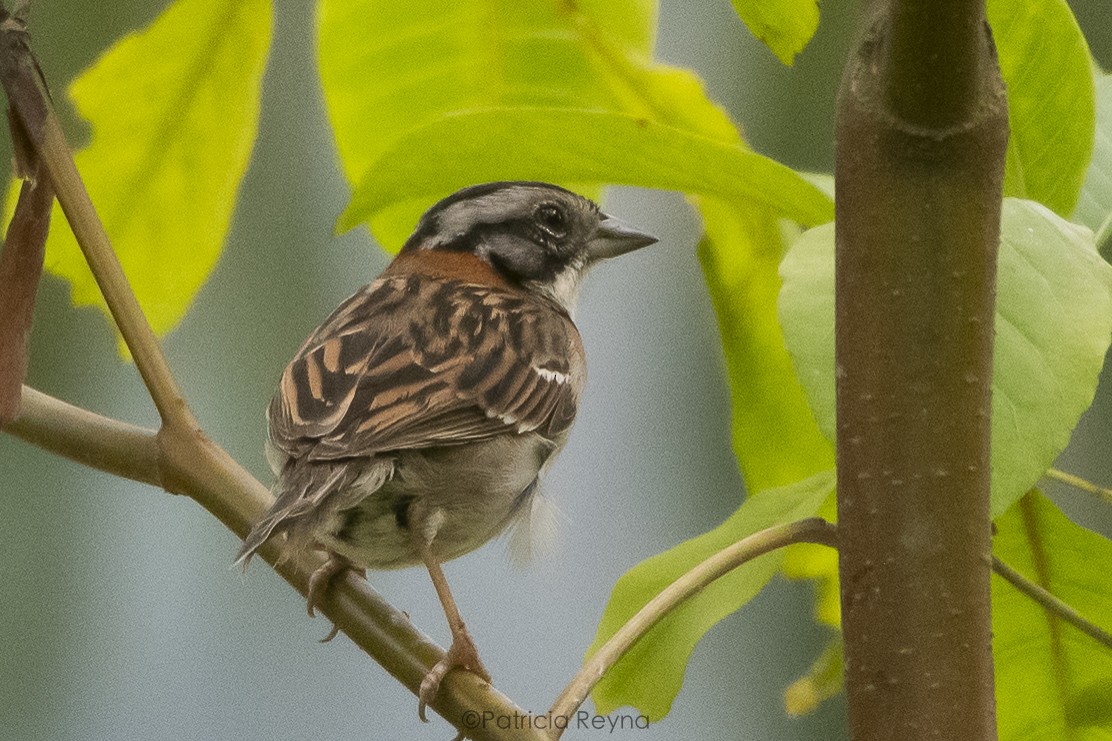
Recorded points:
408,364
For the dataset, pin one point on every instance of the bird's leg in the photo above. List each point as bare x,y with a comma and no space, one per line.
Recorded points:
462,652
319,582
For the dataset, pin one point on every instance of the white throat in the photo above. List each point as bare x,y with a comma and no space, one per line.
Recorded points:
564,288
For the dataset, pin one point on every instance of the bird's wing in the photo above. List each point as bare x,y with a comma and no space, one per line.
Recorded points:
412,363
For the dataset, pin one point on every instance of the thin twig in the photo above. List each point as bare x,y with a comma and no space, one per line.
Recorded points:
21,261
811,530
1051,603
1079,483
30,102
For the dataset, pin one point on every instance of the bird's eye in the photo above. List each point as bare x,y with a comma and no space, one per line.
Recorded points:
552,219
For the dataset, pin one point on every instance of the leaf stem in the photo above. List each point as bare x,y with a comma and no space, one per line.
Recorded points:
1050,603
810,530
1079,483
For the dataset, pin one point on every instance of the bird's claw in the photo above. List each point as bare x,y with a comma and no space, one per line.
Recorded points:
461,654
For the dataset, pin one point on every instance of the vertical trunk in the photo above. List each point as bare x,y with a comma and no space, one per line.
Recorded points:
922,131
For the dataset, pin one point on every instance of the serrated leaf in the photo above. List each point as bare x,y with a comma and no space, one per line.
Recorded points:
174,112
739,255
1046,64
666,648
1038,655
576,146
1053,327
785,26
1094,207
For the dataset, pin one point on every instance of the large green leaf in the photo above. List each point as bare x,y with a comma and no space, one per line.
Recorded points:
1053,327
174,111
557,92
650,675
1094,207
1038,655
785,26
578,146
1045,62
775,437
387,67
739,254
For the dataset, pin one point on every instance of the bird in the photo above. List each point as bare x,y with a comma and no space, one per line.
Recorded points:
415,423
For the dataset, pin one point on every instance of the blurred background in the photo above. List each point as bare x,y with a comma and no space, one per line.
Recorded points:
122,618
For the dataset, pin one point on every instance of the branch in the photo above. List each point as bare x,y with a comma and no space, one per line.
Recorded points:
921,136
179,457
30,101
933,62
1079,483
1050,603
202,470
98,442
21,261
812,530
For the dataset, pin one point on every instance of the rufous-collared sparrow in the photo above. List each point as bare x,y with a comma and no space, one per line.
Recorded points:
414,424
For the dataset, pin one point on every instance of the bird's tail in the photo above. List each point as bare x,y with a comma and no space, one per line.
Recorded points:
298,494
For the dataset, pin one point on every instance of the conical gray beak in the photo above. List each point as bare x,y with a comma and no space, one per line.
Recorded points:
614,238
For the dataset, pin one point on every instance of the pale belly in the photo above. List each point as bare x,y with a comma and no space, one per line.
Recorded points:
455,498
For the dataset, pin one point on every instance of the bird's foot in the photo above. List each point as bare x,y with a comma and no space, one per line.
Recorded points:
319,582
461,654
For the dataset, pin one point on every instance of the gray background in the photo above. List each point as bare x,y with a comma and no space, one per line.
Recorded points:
122,618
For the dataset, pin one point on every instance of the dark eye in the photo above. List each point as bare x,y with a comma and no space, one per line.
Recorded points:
552,219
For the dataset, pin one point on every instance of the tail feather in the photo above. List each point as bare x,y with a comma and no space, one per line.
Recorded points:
306,494
298,492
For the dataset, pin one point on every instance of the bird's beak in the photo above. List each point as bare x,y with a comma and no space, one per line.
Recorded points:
614,238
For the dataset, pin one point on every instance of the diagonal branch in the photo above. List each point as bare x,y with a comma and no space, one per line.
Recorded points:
811,530
30,102
1079,483
1050,603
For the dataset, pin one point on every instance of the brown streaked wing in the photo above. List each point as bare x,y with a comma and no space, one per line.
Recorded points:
410,364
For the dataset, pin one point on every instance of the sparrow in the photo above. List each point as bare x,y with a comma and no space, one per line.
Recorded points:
414,424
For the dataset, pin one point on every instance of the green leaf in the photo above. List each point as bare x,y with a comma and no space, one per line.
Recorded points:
740,252
174,112
1046,64
577,146
650,675
562,92
1038,655
389,67
820,565
1053,327
785,26
460,57
822,681
1094,207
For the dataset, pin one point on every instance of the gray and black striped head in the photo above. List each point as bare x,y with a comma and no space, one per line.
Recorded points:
539,236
